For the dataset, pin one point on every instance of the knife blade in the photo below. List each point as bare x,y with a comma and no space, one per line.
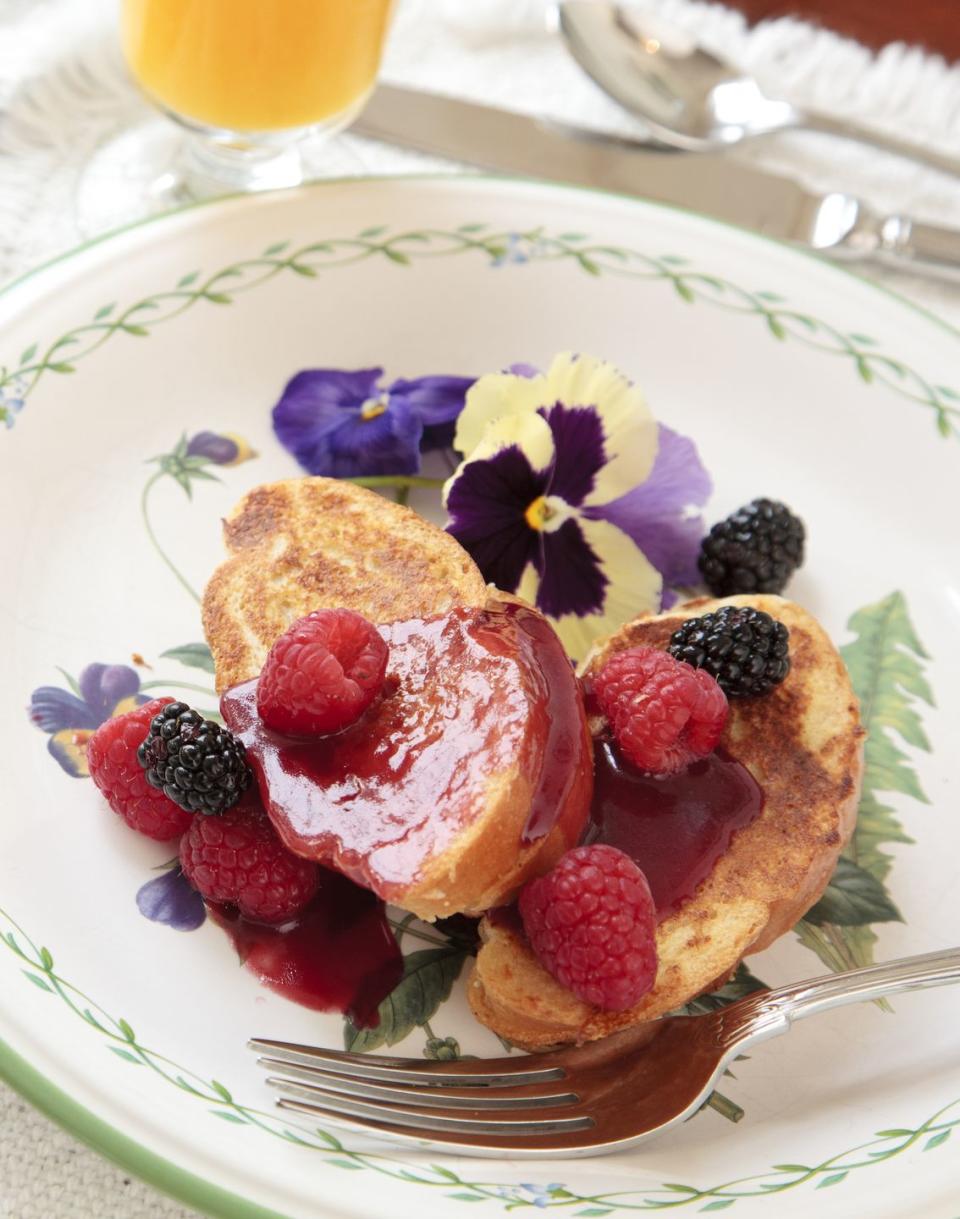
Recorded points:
832,222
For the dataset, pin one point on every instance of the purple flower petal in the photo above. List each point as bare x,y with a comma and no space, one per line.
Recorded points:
52,709
436,401
221,450
486,503
103,686
386,444
523,370
319,419
657,516
170,899
571,579
580,453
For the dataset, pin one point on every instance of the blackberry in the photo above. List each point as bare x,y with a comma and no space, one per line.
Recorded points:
755,550
745,649
196,763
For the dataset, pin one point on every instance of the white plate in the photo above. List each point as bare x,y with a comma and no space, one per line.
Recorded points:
796,380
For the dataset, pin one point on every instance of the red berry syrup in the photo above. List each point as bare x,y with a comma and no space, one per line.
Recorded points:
338,956
676,828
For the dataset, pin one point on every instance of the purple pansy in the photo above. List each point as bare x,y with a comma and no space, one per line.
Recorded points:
171,899
348,424
70,717
570,495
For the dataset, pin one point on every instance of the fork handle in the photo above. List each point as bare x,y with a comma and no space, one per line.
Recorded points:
873,982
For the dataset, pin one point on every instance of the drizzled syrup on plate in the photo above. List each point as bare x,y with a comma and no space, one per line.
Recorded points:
340,955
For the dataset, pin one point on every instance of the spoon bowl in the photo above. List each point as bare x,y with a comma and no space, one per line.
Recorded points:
688,97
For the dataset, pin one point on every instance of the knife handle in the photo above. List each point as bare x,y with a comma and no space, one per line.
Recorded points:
910,244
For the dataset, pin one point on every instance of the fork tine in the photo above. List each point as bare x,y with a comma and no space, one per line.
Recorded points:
495,1072
384,1117
530,1097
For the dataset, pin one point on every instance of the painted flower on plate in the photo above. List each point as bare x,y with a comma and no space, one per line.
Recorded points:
570,495
220,448
170,899
70,717
349,424
12,400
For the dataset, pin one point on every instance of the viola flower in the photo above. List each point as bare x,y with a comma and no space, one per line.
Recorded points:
171,899
71,717
221,448
348,424
572,497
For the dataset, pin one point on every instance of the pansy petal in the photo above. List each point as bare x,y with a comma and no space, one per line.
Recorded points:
658,514
103,686
495,396
387,443
52,709
572,580
630,432
529,433
578,439
437,401
315,403
69,748
633,587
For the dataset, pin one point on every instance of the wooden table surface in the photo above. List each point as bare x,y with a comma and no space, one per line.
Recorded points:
934,24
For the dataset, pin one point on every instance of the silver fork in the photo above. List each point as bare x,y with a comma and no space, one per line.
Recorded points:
585,1101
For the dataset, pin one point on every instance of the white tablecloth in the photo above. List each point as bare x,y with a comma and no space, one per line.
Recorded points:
64,97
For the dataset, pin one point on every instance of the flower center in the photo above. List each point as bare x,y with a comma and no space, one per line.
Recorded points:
373,407
546,513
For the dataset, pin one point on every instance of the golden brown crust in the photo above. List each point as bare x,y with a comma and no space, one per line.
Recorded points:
804,745
485,863
314,543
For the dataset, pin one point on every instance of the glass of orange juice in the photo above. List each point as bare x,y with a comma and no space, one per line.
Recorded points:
250,78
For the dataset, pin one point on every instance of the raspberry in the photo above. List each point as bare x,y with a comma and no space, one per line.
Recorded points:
592,924
664,714
238,858
322,674
112,757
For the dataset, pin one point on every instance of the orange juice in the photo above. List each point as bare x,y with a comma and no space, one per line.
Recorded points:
255,65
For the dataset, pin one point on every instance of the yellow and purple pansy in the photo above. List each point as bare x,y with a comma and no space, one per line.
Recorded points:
570,495
349,424
70,717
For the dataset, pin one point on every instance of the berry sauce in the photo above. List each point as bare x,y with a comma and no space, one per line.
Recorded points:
468,694
675,829
338,956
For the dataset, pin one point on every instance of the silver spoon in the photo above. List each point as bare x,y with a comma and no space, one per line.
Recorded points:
689,98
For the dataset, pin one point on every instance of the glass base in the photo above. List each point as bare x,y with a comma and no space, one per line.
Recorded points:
157,165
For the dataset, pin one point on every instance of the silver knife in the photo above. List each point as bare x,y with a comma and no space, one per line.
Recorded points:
833,223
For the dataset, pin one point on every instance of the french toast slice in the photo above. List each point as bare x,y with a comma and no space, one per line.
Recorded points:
473,772
316,543
803,744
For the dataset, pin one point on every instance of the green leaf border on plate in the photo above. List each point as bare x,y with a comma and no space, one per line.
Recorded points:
499,248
